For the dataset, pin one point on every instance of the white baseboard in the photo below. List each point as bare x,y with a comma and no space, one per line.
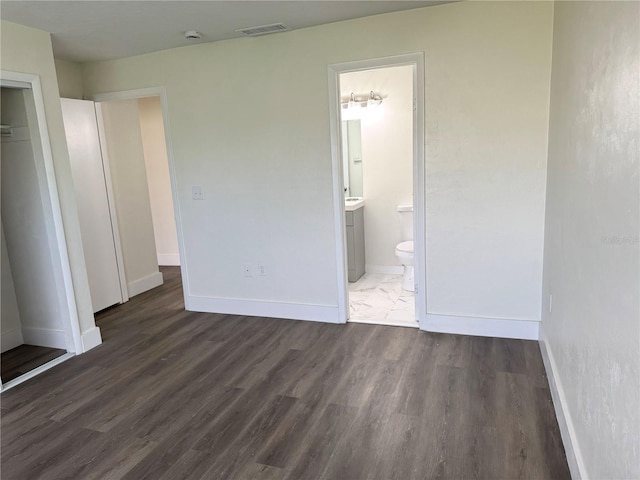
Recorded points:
91,339
260,308
145,283
11,339
168,259
44,337
567,430
482,327
385,269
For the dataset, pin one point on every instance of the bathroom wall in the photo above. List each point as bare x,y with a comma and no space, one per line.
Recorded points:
124,147
69,76
28,50
387,159
591,328
158,180
249,122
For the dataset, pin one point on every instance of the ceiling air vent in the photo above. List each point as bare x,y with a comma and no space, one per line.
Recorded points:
263,29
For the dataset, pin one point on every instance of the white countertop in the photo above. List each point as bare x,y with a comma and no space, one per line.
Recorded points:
353,203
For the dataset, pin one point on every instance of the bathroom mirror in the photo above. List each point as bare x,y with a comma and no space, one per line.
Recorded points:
352,158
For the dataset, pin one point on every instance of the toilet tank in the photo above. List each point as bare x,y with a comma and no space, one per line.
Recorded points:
405,212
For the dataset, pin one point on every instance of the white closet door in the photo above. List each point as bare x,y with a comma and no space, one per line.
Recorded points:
98,238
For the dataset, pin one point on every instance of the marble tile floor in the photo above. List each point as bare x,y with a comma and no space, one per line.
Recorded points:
379,299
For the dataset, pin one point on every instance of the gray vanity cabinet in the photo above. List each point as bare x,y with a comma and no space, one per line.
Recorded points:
355,243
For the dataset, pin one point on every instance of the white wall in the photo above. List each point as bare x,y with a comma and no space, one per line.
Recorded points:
131,194
24,219
592,228
28,50
10,327
69,75
387,157
249,121
158,180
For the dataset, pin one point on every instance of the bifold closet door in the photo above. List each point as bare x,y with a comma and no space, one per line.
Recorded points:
87,168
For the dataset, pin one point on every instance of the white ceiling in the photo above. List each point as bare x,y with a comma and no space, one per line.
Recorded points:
98,30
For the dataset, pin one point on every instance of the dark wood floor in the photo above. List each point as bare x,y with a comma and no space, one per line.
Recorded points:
174,395
24,358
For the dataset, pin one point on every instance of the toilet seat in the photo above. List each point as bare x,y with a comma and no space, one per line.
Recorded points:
405,247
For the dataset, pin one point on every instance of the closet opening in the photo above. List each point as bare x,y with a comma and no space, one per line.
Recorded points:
39,326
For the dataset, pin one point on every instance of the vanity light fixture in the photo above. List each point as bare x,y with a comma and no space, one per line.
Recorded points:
354,107
374,100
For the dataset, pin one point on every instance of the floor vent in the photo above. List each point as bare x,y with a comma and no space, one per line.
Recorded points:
263,29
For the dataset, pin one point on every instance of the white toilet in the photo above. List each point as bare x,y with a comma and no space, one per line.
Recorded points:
404,250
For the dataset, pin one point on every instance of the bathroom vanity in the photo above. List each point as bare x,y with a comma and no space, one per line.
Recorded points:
354,221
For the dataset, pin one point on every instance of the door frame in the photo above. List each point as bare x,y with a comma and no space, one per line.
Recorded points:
55,228
419,175
161,92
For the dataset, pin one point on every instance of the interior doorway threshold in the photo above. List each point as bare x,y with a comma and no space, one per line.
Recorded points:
388,323
36,371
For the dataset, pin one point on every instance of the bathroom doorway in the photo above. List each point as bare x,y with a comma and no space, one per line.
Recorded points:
377,123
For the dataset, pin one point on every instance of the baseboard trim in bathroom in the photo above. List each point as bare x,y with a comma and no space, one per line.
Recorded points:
260,308
483,327
385,269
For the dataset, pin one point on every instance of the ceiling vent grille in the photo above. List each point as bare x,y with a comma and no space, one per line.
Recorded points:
263,29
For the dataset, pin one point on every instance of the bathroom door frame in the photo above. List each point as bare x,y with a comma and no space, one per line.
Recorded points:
416,60
56,237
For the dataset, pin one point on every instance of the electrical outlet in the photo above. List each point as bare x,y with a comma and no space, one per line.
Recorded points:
262,270
550,302
196,193
247,269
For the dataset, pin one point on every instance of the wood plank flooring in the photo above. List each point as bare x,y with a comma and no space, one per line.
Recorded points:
180,395
25,358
